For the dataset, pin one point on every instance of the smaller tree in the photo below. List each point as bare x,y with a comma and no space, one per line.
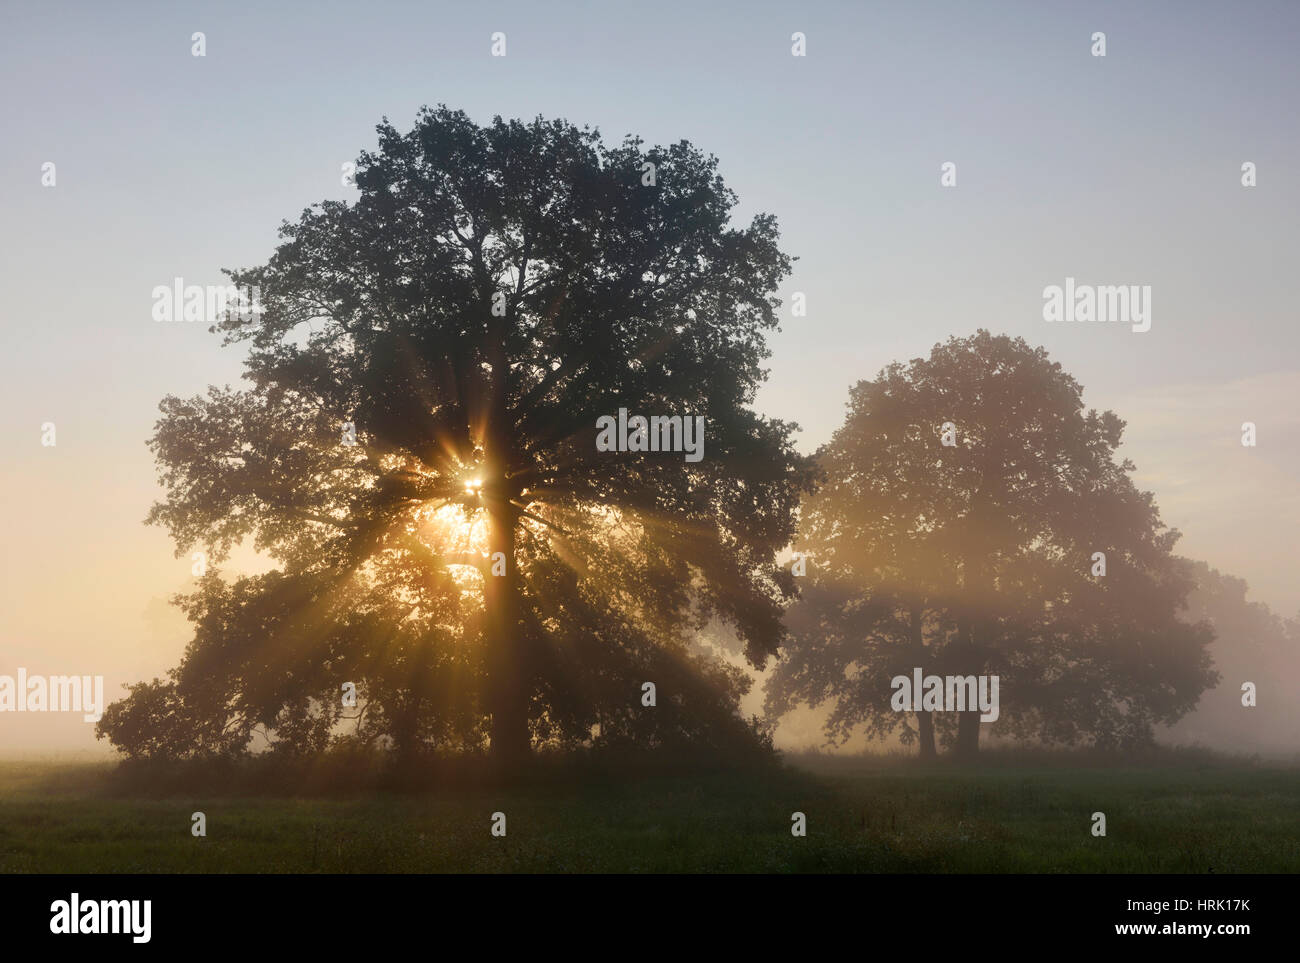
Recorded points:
968,500
1252,644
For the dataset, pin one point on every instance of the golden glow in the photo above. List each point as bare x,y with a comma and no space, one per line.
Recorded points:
450,528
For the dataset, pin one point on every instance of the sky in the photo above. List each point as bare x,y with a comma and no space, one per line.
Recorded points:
1122,169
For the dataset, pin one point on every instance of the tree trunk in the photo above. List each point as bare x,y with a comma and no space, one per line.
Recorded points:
924,722
968,735
506,650
925,729
506,655
970,662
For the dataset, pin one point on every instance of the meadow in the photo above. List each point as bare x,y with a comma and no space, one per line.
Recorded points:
1182,813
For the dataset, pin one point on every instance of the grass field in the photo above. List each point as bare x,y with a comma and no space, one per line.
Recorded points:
863,816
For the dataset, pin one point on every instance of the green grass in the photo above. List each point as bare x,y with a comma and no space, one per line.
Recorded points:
865,816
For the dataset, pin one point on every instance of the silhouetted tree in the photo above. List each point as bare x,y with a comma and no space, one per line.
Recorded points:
490,294
976,557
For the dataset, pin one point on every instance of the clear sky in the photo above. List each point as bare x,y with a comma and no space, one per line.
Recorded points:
1123,169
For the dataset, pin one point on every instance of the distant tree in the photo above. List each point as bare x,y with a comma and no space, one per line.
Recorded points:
473,563
1252,644
977,558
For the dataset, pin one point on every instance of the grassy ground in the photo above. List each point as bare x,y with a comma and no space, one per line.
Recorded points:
1193,816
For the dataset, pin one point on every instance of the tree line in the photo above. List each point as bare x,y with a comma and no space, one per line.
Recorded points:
486,577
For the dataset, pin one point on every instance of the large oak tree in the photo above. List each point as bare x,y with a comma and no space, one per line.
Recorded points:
474,563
